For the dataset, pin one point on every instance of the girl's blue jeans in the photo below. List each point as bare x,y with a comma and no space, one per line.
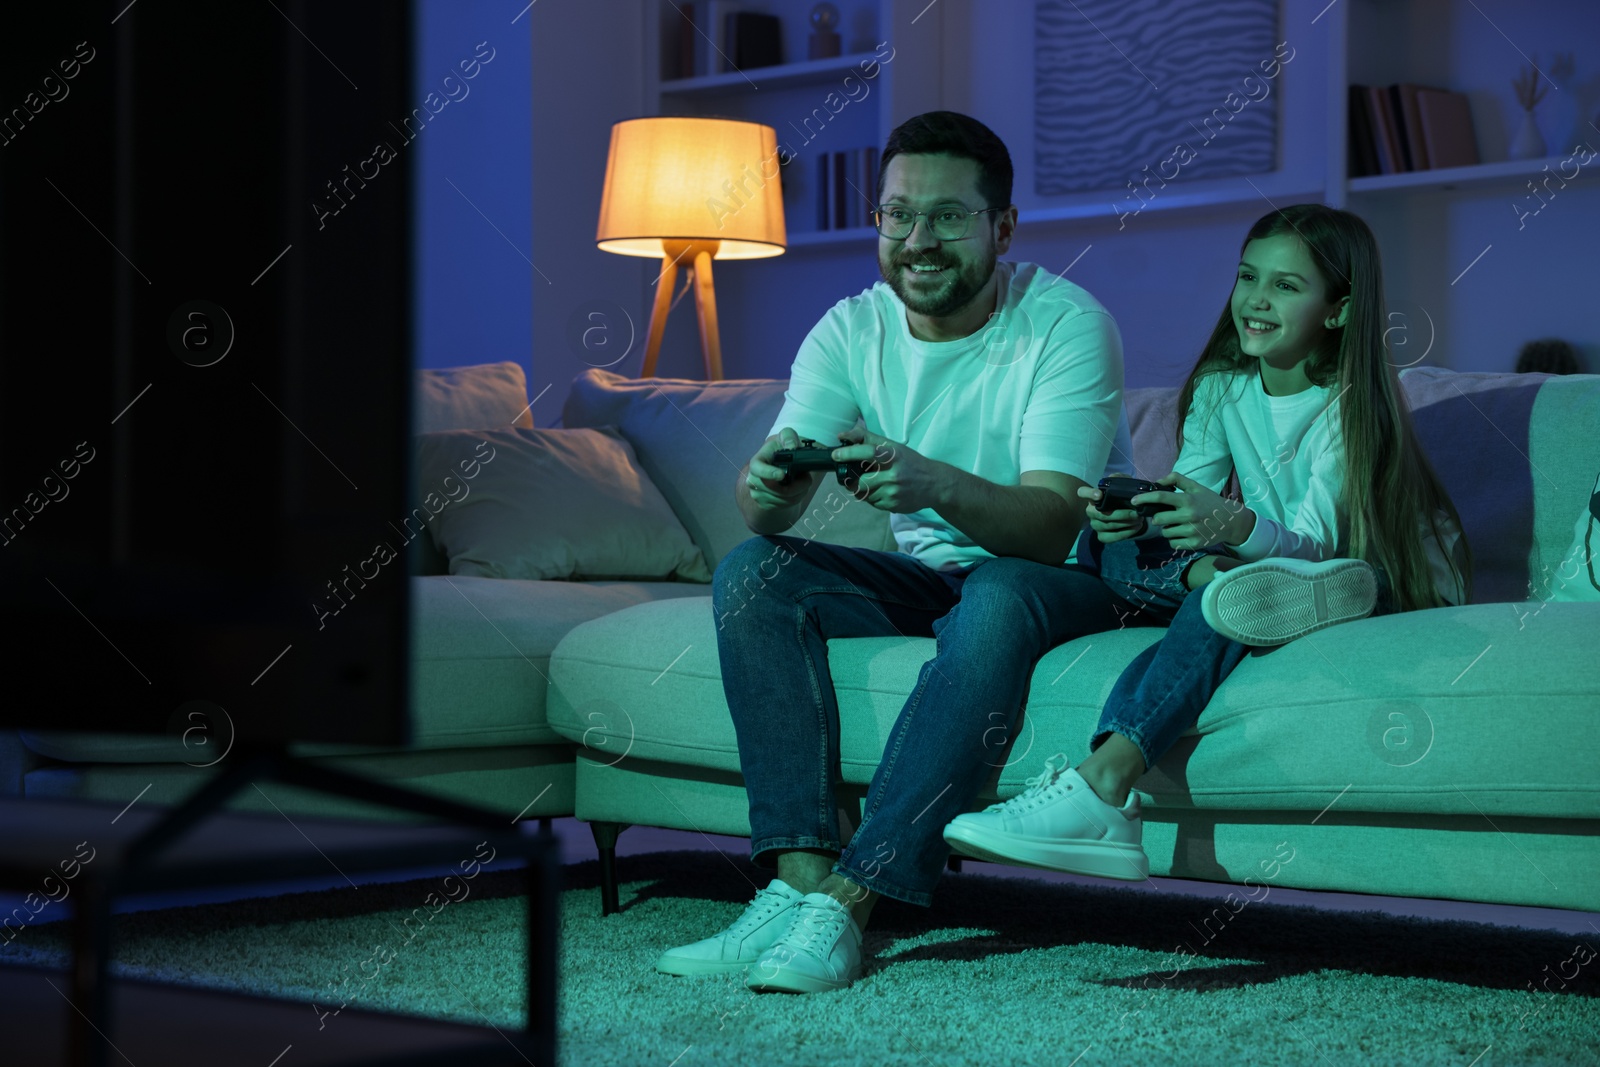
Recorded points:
778,600
1166,687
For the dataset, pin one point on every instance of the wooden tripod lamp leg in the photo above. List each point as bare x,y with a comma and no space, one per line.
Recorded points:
699,254
705,303
658,313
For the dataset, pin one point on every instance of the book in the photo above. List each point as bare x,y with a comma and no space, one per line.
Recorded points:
718,56
1362,150
1383,135
841,189
753,40
1416,145
1397,117
824,191
867,183
687,36
1446,120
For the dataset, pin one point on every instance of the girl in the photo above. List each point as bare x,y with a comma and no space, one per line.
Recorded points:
1342,514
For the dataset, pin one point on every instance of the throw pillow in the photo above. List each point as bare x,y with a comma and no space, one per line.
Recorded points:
481,397
692,438
1578,576
571,503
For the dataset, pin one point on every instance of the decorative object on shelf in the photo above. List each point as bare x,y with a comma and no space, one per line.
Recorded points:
754,40
705,45
1531,87
824,40
690,190
1099,118
1548,355
1562,116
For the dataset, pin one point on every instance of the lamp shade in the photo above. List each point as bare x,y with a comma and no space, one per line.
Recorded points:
692,179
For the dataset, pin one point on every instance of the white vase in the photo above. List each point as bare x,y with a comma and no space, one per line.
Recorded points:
1527,143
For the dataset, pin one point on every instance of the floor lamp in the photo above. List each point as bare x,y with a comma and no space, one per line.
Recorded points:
687,191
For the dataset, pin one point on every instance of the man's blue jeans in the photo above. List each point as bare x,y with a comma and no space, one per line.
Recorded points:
779,599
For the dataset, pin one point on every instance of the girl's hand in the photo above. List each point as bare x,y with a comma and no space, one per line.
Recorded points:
1119,525
1199,517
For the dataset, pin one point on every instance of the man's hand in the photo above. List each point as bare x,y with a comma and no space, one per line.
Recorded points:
1110,526
1199,517
897,478
765,482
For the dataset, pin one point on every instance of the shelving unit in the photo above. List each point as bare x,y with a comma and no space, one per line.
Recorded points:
1511,172
1473,261
1452,46
1435,227
824,105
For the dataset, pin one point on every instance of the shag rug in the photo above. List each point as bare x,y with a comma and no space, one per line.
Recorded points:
999,971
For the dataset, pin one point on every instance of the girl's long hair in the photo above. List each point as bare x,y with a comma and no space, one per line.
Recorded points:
1390,491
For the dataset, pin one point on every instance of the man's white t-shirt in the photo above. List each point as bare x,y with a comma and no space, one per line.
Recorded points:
1038,388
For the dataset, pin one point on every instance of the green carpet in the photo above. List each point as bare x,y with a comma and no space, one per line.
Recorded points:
999,971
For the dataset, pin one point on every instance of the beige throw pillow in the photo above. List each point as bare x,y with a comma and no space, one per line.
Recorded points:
482,395
562,503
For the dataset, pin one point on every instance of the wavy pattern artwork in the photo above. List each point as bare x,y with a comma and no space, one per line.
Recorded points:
1120,87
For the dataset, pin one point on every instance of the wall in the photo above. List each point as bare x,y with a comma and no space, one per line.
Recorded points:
587,75
472,169
1165,274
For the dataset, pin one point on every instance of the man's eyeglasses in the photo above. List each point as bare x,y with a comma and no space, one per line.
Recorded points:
946,223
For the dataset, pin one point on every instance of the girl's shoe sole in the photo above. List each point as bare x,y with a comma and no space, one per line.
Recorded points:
1274,603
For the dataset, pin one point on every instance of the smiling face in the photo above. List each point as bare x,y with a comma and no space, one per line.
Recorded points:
1280,305
942,279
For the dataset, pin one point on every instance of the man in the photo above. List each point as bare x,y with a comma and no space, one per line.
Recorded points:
989,392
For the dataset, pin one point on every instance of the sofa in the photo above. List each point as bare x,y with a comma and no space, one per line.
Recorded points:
1445,753
564,656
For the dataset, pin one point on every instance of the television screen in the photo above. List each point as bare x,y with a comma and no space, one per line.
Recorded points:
205,367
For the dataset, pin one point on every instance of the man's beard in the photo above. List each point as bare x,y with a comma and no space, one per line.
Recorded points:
957,285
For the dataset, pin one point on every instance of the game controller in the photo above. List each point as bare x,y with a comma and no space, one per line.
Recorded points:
1118,490
811,456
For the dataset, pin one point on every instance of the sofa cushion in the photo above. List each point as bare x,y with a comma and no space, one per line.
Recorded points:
483,396
1565,450
1153,421
1575,577
1457,711
480,659
481,651
1502,444
693,438
568,503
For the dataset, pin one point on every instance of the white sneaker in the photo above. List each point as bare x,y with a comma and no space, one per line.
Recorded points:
737,947
820,951
1059,824
1273,601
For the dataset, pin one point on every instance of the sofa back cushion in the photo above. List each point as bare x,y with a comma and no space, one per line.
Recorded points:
479,396
546,504
1518,453
482,396
693,437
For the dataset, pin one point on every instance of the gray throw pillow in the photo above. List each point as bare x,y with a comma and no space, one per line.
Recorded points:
567,503
482,395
